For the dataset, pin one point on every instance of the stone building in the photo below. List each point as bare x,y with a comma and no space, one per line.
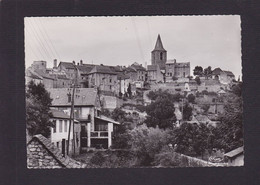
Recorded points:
141,71
167,68
41,153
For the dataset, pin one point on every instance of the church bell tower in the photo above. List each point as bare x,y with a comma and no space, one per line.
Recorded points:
159,54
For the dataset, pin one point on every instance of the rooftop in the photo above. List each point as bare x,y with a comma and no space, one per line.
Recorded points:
102,69
59,114
159,45
83,96
235,152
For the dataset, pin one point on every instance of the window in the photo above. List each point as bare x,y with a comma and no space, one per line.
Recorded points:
110,87
184,74
65,126
60,126
57,144
101,127
54,128
110,80
161,56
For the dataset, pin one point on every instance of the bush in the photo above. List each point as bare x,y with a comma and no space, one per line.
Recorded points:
167,158
191,98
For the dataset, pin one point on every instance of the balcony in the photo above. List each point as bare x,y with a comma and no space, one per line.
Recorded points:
99,134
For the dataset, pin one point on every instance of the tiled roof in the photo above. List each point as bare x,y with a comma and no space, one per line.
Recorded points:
66,161
159,45
83,96
102,69
138,67
152,67
235,152
216,71
67,65
59,114
33,75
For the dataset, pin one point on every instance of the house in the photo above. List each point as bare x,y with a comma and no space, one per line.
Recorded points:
141,71
226,77
235,157
87,112
154,73
178,70
69,68
32,76
132,73
61,129
103,78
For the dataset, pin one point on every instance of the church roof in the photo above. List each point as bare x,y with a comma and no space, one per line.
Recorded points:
159,45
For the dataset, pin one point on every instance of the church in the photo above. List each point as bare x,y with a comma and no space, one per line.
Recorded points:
161,69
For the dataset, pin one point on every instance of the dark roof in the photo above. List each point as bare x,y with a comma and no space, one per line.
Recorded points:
67,65
216,71
83,96
44,75
138,67
104,118
65,162
33,75
130,69
85,68
59,114
182,64
235,152
229,73
116,68
159,45
152,67
102,69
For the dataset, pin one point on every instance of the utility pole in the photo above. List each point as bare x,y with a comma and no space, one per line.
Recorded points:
72,117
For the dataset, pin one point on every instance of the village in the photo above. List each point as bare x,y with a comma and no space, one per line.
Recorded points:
161,114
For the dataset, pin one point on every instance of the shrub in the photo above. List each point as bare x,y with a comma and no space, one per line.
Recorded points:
167,158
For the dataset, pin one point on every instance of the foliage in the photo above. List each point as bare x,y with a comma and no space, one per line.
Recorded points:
205,107
153,95
161,113
167,158
191,139
198,70
205,92
230,131
237,89
105,112
197,79
37,110
207,72
191,98
187,112
147,142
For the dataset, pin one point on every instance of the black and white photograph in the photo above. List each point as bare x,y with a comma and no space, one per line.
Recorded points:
133,91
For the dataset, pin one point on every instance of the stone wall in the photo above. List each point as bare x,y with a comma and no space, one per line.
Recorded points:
41,153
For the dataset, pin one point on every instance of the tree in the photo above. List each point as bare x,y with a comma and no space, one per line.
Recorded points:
161,113
118,115
191,98
129,90
197,79
205,107
198,70
230,131
207,72
187,112
38,112
191,139
147,142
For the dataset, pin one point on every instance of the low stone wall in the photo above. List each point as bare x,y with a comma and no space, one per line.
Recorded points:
195,162
41,153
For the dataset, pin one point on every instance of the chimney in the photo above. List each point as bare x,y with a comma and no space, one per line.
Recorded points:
55,63
73,62
81,62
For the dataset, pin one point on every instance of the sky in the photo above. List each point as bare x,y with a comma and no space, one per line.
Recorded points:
201,40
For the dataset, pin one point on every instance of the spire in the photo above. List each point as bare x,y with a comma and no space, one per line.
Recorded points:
159,45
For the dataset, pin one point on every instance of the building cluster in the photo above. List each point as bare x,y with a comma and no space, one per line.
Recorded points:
98,86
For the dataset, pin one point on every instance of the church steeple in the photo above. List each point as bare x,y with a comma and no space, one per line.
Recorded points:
159,54
159,45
